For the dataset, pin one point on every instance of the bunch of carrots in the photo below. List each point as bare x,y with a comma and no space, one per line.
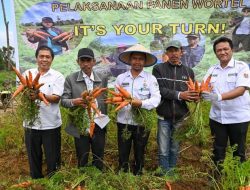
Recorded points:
89,98
195,124
202,87
122,99
27,82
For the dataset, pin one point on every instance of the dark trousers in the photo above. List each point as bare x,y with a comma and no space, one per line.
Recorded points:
96,143
51,141
139,137
243,39
236,133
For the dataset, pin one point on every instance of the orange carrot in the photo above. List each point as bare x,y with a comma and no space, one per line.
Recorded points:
196,87
37,86
190,84
91,129
202,86
124,92
36,79
94,90
42,98
114,93
123,104
20,76
25,184
89,114
94,107
28,82
84,94
207,82
18,90
117,103
30,77
117,99
168,186
98,92
61,35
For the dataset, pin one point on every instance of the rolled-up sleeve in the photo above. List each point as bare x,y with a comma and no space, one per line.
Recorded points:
155,96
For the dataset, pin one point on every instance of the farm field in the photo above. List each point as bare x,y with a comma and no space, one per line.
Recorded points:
194,169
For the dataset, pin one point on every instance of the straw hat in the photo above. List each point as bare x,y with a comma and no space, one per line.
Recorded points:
138,48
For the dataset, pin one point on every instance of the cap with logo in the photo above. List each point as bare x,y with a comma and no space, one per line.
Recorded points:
196,35
48,19
174,43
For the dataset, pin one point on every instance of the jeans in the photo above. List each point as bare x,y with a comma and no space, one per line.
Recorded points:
168,146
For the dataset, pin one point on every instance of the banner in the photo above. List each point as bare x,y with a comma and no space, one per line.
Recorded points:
110,27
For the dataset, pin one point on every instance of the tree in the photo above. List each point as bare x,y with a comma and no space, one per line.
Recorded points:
6,52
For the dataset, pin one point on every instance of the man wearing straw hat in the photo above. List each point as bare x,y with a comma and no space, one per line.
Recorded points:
144,89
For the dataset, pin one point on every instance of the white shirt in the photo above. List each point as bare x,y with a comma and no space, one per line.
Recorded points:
234,75
49,116
144,87
89,81
244,27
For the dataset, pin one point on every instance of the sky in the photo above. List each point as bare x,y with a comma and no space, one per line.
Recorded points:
7,4
39,10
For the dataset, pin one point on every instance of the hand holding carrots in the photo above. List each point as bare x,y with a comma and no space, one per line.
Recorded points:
79,102
122,99
136,102
88,100
33,85
189,95
204,86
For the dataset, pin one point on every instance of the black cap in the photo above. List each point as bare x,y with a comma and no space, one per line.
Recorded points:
192,34
85,52
48,19
246,9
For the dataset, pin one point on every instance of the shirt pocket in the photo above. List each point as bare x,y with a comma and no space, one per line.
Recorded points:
48,88
231,82
144,94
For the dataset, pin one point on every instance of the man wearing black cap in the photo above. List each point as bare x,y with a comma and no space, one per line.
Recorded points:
193,53
47,36
172,77
75,84
241,33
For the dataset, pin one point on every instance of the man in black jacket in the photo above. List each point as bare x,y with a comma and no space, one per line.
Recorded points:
172,77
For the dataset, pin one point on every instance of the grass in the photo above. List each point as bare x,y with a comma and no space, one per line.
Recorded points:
6,77
11,135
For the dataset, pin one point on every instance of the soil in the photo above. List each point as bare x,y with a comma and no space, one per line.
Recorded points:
14,164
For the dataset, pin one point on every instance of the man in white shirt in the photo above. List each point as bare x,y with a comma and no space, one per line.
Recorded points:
144,89
75,84
230,111
46,130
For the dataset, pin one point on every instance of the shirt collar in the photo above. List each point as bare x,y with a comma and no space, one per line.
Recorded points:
86,76
172,64
141,74
230,64
47,73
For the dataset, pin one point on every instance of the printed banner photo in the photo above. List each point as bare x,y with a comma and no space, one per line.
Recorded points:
110,27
